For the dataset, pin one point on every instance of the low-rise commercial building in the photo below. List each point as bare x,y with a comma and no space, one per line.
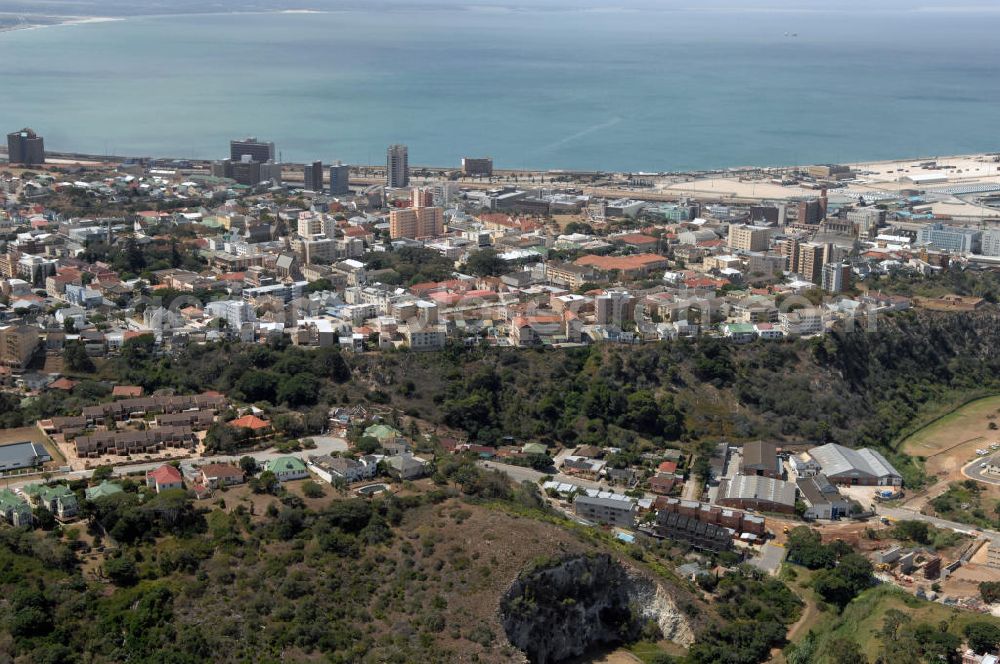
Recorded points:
865,467
610,511
759,493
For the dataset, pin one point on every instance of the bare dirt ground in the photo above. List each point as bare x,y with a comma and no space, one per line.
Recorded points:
950,442
33,434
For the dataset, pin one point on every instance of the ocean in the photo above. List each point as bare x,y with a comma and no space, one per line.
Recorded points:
612,89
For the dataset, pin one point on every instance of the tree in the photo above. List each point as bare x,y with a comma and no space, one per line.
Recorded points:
299,390
485,263
122,570
805,547
915,531
258,385
846,651
102,473
990,591
44,519
266,483
983,637
76,358
311,489
248,465
843,583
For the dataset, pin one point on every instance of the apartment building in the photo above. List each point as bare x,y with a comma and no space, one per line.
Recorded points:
17,346
749,238
416,222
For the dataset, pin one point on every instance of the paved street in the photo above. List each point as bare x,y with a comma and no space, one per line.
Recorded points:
912,515
974,471
770,558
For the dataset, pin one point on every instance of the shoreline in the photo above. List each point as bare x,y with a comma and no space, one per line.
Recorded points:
57,21
77,156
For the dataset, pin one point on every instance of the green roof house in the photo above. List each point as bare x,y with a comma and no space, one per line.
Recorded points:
103,489
15,509
534,448
382,432
56,498
287,468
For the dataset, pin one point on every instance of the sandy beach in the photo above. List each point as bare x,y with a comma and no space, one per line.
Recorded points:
31,22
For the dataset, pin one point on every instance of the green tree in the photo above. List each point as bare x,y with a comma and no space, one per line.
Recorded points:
248,465
102,473
806,548
75,357
44,519
990,591
983,637
267,482
298,390
846,651
311,489
485,263
843,583
122,570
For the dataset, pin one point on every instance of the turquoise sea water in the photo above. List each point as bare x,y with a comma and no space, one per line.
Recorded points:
615,89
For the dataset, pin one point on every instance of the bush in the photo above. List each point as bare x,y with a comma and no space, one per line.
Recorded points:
122,570
311,489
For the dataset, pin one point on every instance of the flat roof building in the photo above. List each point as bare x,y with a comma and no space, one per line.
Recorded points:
611,511
477,166
257,150
25,147
397,166
312,177
340,174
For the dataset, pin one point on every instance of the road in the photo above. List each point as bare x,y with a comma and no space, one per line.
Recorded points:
770,558
973,471
898,513
324,445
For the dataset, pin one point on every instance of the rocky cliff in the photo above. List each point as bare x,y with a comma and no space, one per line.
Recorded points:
563,608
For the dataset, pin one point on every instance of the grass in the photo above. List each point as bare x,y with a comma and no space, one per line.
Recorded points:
647,651
863,618
962,422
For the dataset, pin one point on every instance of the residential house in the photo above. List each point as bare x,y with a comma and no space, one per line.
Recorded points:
102,490
663,483
258,426
56,498
14,509
573,465
216,475
165,477
382,432
406,466
287,468
332,468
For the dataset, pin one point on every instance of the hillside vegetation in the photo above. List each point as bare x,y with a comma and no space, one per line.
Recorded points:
401,579
851,387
